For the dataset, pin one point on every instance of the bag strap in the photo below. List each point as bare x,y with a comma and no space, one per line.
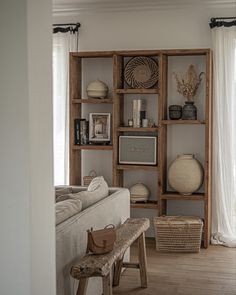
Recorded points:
110,226
107,226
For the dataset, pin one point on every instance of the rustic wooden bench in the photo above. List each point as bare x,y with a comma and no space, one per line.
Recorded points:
109,266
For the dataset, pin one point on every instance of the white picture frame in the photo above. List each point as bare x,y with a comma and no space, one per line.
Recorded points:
99,127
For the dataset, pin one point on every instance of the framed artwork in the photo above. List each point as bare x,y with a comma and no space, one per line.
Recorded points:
99,127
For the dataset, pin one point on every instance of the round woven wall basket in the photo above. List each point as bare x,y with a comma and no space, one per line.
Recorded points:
141,72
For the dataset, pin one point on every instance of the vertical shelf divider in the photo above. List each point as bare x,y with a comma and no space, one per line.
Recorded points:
162,135
75,84
118,108
208,150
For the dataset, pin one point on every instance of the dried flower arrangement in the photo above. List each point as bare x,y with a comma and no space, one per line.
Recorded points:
188,84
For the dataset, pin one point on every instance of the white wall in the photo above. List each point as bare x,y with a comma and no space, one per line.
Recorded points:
27,228
182,27
164,28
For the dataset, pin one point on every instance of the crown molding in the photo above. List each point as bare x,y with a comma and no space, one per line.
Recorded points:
95,6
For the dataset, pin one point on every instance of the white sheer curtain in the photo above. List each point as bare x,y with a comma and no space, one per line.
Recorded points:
63,43
224,137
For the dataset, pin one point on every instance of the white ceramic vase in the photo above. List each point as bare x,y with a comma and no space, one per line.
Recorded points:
139,192
97,89
185,174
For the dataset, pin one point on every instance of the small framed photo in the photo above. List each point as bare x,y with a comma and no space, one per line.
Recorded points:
99,127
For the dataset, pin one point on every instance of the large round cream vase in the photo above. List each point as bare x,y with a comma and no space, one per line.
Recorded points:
185,174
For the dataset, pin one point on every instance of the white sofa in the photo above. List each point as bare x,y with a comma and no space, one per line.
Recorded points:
71,236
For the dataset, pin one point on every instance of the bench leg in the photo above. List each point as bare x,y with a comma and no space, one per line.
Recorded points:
107,284
142,260
117,271
82,288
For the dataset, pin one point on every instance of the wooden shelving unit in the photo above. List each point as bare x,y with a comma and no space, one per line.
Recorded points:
165,123
121,93
77,100
159,94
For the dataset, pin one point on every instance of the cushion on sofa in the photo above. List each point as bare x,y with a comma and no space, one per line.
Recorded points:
61,193
96,183
97,190
66,209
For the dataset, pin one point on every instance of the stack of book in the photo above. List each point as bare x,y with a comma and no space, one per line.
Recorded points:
81,131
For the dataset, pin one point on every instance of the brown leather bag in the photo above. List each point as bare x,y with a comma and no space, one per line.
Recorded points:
101,241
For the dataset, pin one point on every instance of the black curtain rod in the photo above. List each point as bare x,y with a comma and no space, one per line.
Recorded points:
218,18
64,28
221,22
72,24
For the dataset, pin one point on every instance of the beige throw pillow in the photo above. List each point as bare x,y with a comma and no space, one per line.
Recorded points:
97,190
67,208
61,193
96,184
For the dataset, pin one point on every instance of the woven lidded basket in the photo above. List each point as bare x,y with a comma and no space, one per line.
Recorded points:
178,233
87,179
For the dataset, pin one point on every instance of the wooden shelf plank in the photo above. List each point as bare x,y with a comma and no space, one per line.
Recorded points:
186,52
93,54
133,53
137,91
148,205
136,167
92,100
93,147
184,122
141,129
177,196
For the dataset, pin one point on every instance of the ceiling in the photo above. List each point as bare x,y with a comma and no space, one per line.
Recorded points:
80,6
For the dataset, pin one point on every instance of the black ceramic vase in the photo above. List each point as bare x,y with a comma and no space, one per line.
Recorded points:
175,112
189,111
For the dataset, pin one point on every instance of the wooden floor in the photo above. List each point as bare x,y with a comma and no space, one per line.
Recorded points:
210,272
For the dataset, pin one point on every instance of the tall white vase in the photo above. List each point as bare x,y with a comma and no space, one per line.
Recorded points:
185,174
